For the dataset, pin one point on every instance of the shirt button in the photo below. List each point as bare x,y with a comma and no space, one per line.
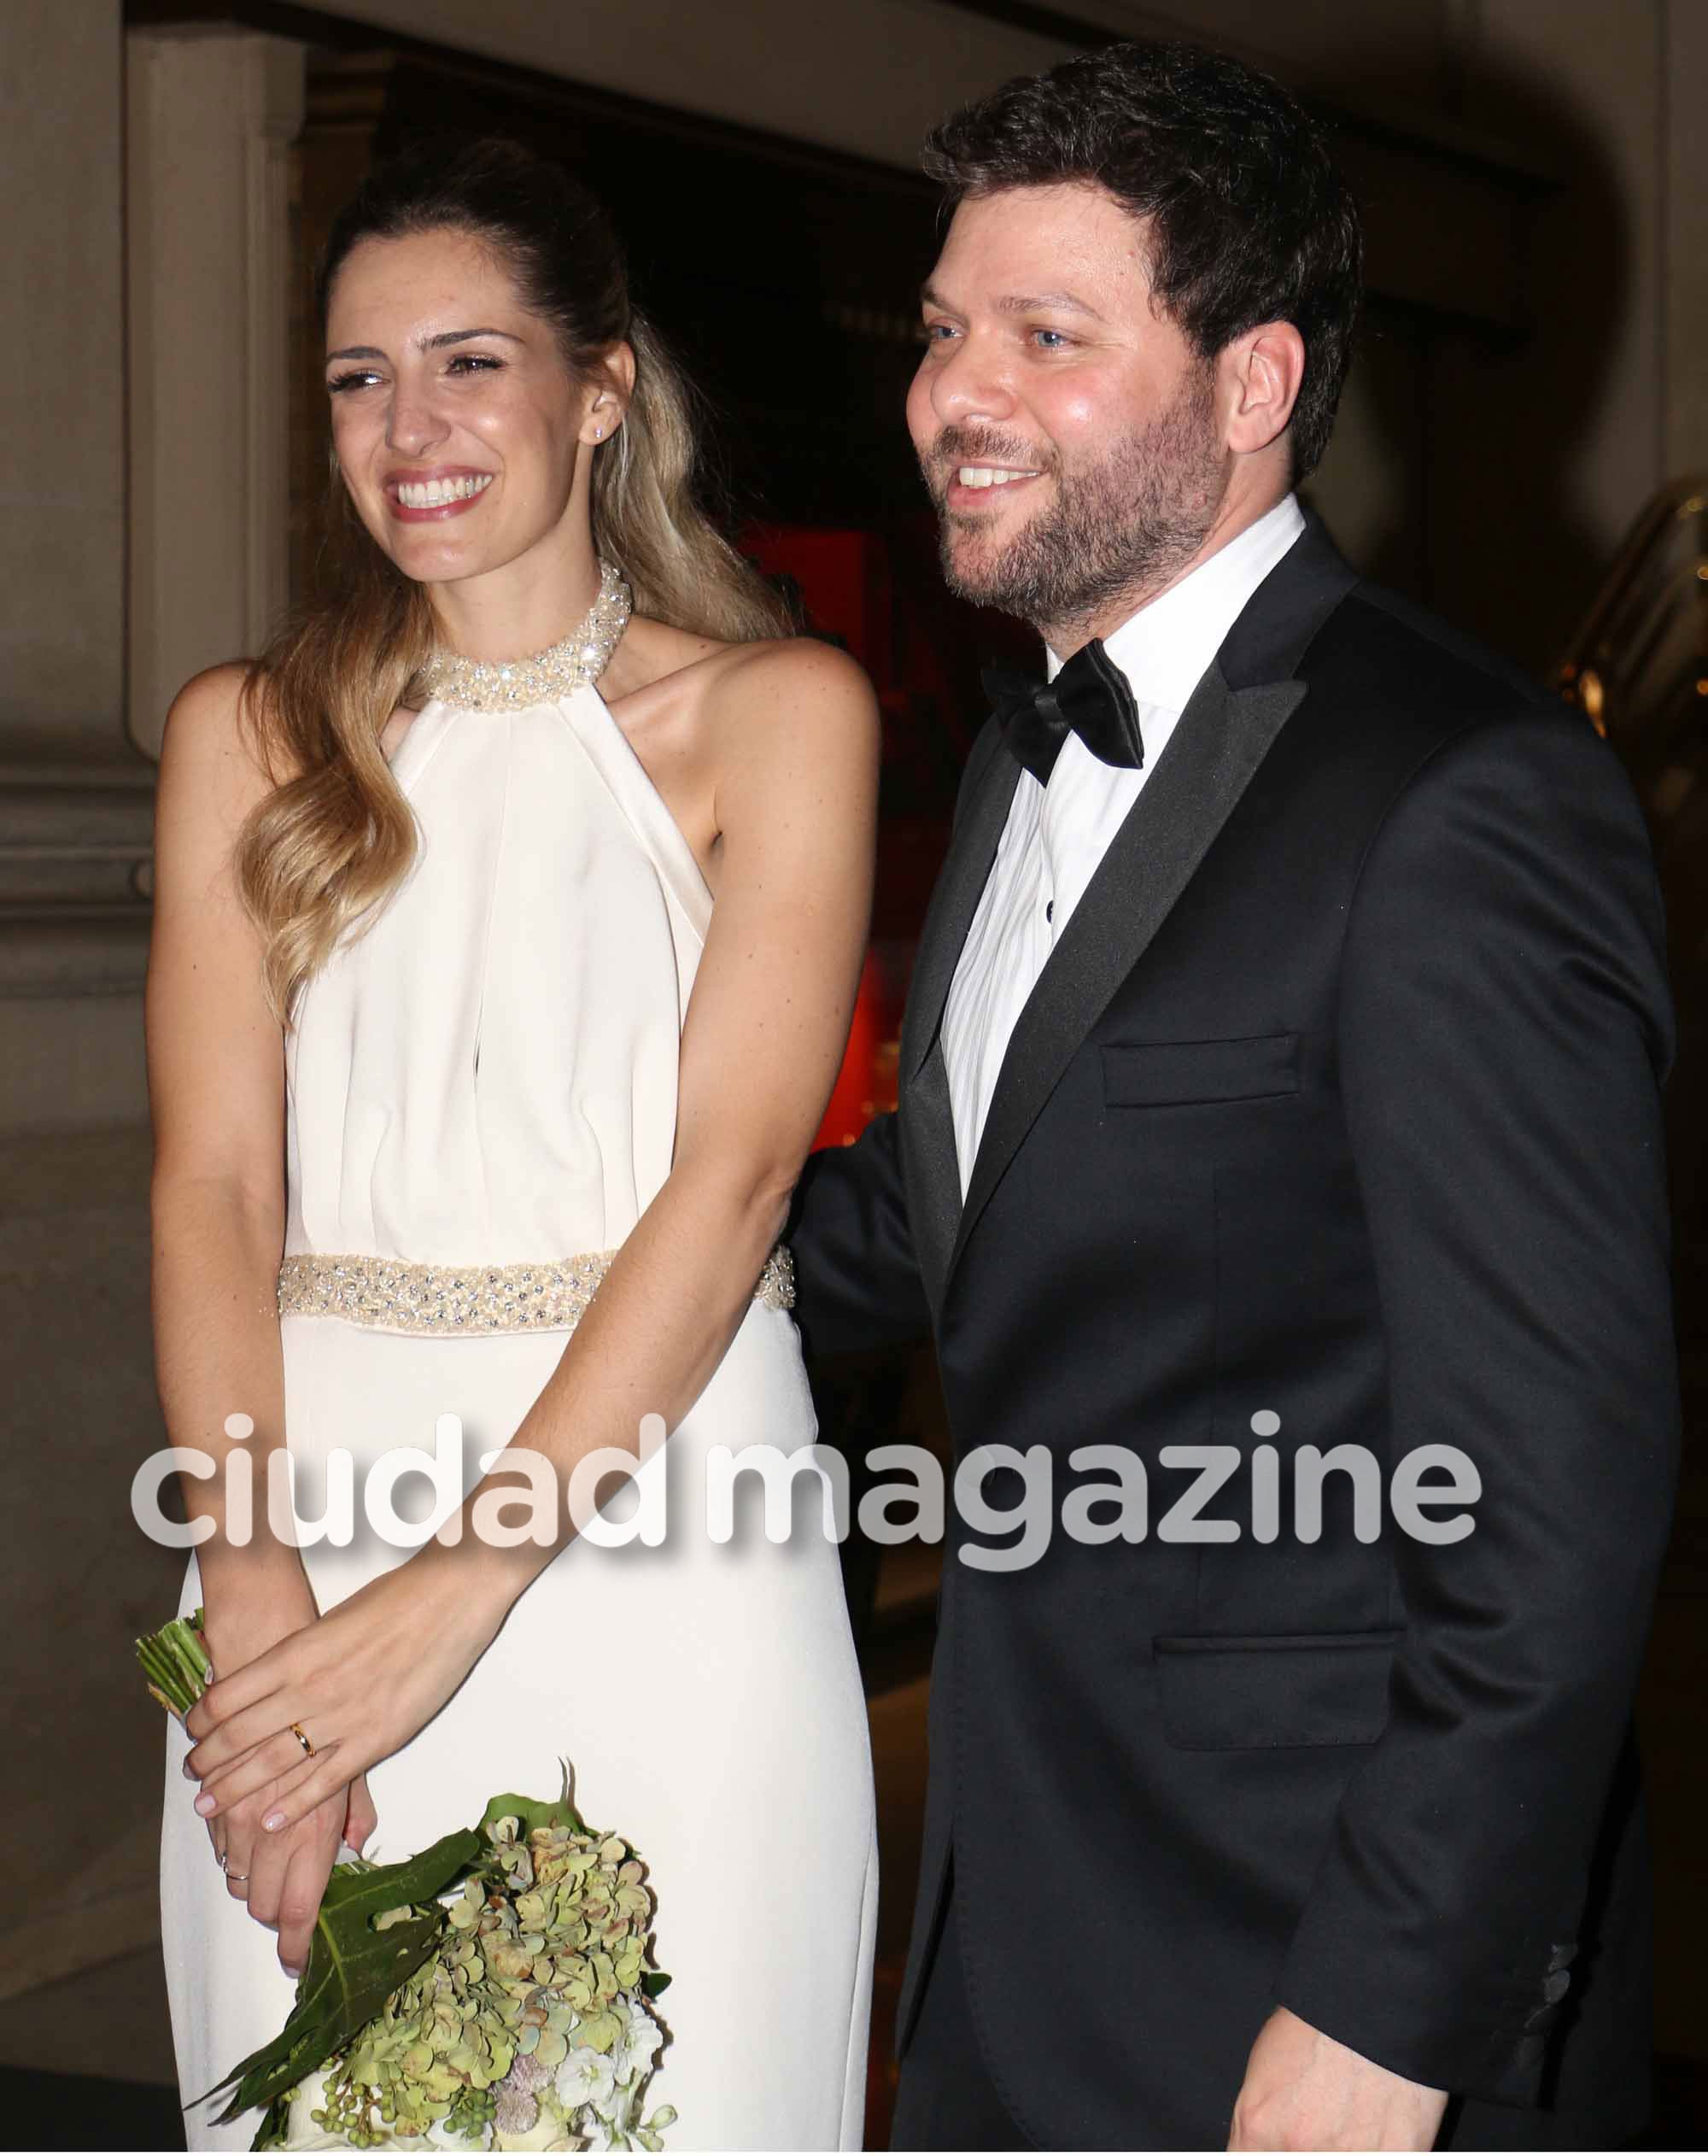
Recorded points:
1050,909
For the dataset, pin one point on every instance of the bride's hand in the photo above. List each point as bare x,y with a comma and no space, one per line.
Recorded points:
285,1875
241,1620
357,1683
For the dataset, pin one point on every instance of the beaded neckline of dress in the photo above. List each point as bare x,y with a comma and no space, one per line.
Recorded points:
514,684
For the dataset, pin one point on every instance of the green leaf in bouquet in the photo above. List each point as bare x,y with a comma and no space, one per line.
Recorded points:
654,1981
529,1812
353,1968
274,2130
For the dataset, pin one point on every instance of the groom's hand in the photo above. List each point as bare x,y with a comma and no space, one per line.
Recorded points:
1304,2090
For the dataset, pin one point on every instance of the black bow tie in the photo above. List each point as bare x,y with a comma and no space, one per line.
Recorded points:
1089,697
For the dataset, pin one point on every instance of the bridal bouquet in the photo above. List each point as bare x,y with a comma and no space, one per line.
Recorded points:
516,2015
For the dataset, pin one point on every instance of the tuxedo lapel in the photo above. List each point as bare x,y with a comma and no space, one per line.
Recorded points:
1227,728
935,1196
1222,736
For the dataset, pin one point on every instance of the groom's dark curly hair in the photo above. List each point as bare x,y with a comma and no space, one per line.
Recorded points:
1249,219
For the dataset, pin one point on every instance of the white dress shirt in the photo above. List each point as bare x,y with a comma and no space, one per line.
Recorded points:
1056,834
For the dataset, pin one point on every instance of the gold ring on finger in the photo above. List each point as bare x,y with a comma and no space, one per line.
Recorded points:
296,1730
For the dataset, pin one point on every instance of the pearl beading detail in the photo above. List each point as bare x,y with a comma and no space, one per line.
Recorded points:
515,684
393,1295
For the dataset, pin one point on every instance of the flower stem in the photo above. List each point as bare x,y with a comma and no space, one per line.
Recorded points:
175,1663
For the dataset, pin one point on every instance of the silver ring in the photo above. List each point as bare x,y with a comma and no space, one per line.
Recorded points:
241,1878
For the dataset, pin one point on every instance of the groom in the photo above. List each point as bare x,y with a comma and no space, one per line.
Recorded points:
1280,1071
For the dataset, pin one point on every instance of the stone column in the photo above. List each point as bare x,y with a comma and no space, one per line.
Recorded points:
75,813
211,116
62,539
186,162
75,795
159,249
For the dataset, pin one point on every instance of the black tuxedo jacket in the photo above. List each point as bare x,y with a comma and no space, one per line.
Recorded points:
1337,1101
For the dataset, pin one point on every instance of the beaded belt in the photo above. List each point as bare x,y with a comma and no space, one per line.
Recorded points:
395,1296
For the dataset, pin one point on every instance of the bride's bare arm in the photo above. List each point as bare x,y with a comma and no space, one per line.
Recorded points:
765,1032
216,1091
795,736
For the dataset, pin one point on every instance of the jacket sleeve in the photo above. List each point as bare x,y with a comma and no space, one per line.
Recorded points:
856,1282
1503,1028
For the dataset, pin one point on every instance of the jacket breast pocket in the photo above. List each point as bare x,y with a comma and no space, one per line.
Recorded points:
1218,1694
1163,1074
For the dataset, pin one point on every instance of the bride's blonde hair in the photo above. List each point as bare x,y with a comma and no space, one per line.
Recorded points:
329,845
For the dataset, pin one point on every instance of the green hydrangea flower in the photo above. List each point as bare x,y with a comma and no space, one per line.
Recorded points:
530,2024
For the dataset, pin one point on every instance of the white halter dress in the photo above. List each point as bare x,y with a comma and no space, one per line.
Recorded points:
481,1089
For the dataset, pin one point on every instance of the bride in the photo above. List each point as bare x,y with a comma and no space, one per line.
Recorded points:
505,948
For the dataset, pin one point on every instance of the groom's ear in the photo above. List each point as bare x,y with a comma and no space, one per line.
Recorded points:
1259,373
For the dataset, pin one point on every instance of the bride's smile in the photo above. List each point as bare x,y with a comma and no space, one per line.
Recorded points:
466,437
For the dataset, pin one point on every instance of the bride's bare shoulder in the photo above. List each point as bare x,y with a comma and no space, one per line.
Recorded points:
716,707
715,685
787,697
222,738
679,662
792,665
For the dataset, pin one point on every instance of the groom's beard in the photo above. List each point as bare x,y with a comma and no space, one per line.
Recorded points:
1125,528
